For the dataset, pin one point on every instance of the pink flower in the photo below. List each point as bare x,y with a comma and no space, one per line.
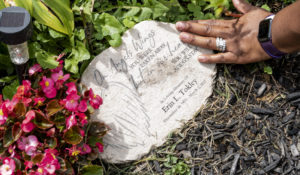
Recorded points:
82,119
71,121
95,100
50,93
23,90
8,167
100,147
51,132
86,149
11,150
35,68
71,88
29,116
73,151
28,164
28,144
39,171
10,105
82,132
3,113
49,162
82,106
27,125
47,85
72,102
59,67
59,78
39,101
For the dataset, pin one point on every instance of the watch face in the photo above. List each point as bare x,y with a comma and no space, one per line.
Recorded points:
263,33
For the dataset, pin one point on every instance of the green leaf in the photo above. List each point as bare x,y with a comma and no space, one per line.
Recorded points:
20,109
145,14
110,28
2,5
79,54
10,90
268,70
27,4
80,34
97,129
54,34
63,11
53,107
92,170
46,60
159,9
8,138
65,167
73,136
62,20
51,142
41,121
92,140
266,7
7,79
132,12
128,23
57,119
16,131
37,158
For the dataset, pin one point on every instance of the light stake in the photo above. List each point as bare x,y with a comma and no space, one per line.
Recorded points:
15,31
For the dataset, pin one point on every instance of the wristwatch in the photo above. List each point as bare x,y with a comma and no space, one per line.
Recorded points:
265,37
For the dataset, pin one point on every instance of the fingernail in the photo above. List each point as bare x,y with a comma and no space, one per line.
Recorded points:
202,58
185,37
180,25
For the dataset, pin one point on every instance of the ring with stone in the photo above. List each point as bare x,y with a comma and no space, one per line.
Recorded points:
221,44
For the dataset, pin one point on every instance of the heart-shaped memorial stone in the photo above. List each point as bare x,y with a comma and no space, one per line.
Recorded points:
150,86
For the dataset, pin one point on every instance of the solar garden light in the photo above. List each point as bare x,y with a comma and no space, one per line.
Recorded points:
15,30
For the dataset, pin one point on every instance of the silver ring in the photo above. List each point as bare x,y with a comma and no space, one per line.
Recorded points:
221,44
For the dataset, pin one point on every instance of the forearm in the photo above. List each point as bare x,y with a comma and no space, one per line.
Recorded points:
286,29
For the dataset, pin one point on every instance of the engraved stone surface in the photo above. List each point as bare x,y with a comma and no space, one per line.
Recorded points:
150,86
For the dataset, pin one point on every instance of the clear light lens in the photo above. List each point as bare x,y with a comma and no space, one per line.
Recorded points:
18,53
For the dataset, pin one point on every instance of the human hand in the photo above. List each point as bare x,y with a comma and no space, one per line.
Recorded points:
240,34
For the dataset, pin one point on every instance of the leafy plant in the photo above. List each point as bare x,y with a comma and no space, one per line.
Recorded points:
45,127
268,70
55,14
176,166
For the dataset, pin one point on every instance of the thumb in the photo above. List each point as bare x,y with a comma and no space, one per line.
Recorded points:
242,6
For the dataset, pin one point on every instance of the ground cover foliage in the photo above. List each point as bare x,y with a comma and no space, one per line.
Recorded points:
236,133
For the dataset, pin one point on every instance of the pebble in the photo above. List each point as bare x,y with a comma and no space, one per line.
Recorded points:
261,90
234,164
294,150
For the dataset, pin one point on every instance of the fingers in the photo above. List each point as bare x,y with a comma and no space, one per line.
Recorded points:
227,57
205,29
213,22
204,42
242,6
